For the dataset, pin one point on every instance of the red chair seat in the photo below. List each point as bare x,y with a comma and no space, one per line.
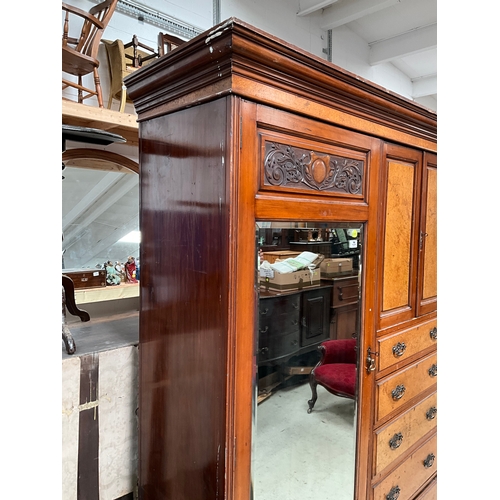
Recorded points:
338,378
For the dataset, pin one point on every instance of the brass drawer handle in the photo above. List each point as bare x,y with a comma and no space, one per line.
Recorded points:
399,349
294,342
394,493
263,350
295,322
398,392
264,312
433,371
395,441
434,333
429,461
264,330
295,306
431,413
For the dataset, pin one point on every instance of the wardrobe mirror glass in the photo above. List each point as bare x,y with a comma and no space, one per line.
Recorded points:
300,449
100,217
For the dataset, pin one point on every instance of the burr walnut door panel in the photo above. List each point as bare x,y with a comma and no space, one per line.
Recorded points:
427,290
397,289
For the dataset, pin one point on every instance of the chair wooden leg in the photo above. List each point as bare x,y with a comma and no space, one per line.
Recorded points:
110,100
312,401
80,92
123,99
97,82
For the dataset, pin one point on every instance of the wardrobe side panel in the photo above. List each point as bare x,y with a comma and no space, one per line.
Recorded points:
184,304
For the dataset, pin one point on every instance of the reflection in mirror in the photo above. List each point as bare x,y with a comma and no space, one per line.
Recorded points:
309,295
100,217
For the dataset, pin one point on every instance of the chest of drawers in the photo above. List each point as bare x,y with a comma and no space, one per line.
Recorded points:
292,323
404,481
404,451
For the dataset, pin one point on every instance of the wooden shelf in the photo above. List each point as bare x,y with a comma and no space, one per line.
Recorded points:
122,291
83,115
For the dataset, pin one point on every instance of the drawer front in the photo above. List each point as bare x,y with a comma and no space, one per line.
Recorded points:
274,306
406,479
345,292
430,493
394,391
400,346
397,437
277,346
279,324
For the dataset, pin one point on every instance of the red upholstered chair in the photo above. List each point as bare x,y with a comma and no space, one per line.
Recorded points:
336,371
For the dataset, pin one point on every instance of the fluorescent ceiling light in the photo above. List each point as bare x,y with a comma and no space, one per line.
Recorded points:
132,237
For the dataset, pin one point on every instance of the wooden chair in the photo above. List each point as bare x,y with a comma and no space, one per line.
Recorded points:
124,59
167,43
336,371
79,55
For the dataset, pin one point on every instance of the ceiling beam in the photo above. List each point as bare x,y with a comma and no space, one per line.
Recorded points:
424,86
411,42
120,189
307,7
89,199
346,12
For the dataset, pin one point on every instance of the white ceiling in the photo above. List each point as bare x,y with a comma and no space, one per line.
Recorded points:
400,32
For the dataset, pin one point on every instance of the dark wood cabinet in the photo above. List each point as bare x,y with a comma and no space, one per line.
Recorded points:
292,323
235,127
315,316
344,313
344,323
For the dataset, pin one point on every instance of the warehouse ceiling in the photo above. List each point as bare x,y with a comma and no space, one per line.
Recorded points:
400,32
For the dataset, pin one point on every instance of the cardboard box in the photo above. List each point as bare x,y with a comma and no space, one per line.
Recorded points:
333,267
275,281
279,254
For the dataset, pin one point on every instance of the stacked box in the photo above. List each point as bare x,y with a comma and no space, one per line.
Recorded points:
275,281
333,267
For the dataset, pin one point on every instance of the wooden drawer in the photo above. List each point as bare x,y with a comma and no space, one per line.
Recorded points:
395,438
400,346
394,391
279,324
345,291
430,493
283,304
277,346
406,479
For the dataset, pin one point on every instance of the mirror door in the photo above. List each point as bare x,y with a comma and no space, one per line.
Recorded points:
305,420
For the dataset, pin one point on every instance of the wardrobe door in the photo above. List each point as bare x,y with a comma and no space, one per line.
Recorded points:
427,275
399,241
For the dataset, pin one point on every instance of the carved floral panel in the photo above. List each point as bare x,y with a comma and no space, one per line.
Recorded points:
290,166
